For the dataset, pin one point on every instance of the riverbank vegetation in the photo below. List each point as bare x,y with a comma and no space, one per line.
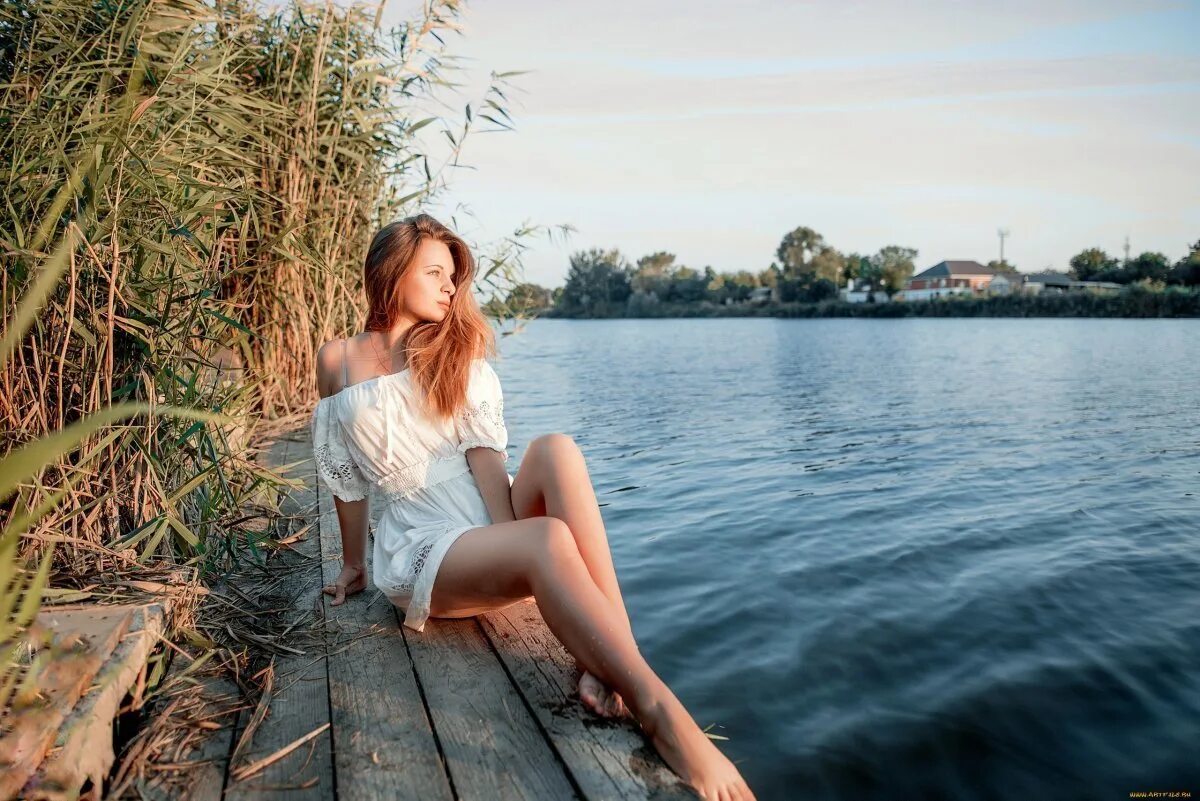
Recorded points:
804,279
189,192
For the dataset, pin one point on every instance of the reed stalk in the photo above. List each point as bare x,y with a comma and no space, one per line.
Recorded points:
189,189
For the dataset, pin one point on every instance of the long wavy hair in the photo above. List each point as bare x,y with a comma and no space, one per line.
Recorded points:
438,354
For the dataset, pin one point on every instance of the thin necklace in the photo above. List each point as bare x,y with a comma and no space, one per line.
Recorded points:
387,368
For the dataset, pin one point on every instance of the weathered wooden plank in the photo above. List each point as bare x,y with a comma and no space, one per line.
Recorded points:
83,748
87,637
384,746
300,702
608,759
494,748
210,759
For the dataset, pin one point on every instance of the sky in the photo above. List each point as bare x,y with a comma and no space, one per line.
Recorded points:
711,129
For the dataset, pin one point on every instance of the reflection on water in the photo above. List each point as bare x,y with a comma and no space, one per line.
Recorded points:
926,558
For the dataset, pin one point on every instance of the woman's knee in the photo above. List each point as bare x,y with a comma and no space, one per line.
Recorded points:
554,543
555,443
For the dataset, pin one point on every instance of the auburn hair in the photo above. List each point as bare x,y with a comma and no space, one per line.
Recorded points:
438,354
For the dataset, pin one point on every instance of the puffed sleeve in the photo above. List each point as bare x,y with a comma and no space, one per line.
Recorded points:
480,423
334,461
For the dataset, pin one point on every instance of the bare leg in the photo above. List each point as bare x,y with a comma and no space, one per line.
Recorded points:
553,480
503,562
559,486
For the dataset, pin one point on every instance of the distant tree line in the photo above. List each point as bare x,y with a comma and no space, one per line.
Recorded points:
1094,264
604,283
810,270
807,270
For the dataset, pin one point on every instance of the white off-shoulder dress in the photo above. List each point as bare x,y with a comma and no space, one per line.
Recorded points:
373,434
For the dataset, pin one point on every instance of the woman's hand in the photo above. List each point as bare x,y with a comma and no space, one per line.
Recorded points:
351,581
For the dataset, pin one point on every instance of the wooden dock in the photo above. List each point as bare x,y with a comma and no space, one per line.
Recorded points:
482,708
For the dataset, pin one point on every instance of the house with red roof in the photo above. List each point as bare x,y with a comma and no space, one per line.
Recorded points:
949,278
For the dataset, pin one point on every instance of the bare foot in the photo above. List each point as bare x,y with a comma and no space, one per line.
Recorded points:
351,581
692,755
597,697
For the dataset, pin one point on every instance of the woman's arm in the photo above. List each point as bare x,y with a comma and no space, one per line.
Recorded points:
487,466
353,516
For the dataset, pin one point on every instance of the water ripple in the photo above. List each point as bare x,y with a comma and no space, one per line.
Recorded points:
927,558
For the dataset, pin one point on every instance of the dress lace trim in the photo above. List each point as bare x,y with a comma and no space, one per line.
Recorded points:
416,564
492,412
349,481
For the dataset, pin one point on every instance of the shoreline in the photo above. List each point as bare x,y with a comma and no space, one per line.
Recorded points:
1135,303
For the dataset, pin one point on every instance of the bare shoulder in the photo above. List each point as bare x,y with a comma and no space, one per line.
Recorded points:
329,367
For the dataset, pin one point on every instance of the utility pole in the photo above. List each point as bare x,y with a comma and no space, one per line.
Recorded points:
1003,232
1126,249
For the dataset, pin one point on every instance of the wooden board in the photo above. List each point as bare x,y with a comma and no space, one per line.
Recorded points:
385,746
609,759
83,747
209,761
94,633
494,747
300,702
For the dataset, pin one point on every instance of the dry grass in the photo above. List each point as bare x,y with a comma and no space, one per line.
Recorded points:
189,193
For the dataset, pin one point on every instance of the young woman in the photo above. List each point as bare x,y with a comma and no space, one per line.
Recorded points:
411,407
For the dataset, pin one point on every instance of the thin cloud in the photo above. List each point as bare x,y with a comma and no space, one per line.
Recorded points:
710,129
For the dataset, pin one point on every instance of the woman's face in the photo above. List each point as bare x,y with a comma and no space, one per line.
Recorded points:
430,282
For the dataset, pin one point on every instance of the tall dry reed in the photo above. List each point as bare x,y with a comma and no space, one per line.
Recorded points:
211,174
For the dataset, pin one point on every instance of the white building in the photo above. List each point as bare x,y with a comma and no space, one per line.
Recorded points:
1005,284
1061,283
860,291
1033,283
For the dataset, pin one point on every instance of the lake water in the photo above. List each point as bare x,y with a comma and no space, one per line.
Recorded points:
901,559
